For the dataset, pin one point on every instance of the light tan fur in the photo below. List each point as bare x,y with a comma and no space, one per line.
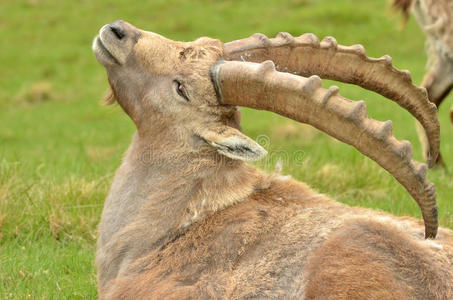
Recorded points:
187,218
435,17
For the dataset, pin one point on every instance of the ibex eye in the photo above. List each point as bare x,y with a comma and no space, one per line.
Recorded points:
181,90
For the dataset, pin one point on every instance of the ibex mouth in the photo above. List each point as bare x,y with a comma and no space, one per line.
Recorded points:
115,43
103,55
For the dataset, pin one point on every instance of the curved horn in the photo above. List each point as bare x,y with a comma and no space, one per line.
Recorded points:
260,86
306,56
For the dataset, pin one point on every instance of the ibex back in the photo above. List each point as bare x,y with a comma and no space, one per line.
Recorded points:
188,218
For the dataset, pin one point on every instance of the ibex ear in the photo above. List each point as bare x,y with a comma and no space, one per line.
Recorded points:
232,143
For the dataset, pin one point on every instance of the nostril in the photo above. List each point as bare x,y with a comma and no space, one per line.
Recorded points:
117,30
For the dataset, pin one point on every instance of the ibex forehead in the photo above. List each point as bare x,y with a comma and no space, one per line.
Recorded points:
164,56
157,53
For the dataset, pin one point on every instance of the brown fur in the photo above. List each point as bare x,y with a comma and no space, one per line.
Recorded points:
259,249
391,273
186,218
435,19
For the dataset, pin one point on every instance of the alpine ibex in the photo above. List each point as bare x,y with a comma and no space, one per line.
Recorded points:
435,17
188,218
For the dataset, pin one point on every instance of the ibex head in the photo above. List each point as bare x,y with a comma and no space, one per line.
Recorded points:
160,82
193,89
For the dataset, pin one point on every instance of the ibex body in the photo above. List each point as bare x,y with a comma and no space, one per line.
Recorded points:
435,17
188,218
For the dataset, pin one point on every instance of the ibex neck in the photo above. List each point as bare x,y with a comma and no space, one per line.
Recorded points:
148,191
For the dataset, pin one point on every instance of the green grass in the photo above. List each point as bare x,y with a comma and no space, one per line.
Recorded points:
59,147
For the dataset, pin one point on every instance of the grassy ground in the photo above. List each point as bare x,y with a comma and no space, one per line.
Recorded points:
59,147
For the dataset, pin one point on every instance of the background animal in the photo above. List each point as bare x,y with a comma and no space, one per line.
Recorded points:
193,220
59,148
435,17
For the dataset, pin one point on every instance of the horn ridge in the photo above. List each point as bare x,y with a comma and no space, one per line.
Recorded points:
304,100
306,55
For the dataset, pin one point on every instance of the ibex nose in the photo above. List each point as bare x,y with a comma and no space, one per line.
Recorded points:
118,29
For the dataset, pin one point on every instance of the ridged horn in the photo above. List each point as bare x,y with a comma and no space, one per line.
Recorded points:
302,99
306,56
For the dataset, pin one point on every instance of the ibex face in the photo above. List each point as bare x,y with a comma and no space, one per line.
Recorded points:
162,84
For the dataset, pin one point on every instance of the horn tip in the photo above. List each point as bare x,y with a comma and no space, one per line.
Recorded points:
430,233
431,225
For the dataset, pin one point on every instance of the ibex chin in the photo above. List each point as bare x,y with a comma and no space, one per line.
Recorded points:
435,17
188,218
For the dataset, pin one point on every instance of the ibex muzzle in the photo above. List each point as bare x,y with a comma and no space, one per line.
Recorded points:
115,43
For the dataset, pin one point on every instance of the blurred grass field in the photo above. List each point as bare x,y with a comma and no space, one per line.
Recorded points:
59,147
